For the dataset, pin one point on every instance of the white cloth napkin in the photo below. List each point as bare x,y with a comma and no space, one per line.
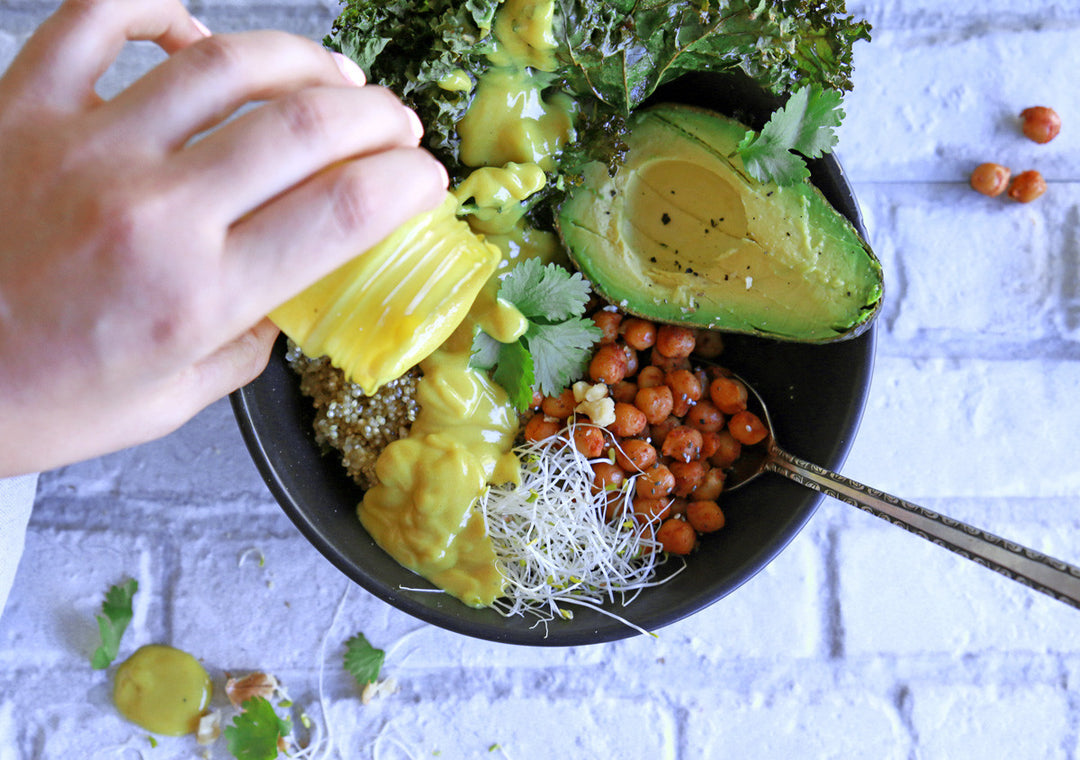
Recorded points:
16,501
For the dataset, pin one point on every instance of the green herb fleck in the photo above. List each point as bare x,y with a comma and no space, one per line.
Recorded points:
255,732
363,660
113,621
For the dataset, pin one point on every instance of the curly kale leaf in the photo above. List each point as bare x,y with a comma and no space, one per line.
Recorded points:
622,50
410,46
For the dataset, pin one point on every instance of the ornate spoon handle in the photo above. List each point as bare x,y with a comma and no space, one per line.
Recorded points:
1027,566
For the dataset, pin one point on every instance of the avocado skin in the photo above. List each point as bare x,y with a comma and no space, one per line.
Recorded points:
681,234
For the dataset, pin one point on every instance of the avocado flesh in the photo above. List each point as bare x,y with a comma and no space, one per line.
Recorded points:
682,234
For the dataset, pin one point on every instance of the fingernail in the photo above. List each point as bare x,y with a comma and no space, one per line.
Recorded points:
414,123
445,178
353,73
203,30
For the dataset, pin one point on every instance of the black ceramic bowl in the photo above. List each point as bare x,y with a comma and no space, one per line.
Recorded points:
815,396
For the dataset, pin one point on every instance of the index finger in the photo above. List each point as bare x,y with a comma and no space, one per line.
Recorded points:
62,61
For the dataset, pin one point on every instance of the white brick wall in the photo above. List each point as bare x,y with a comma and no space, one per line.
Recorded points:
859,641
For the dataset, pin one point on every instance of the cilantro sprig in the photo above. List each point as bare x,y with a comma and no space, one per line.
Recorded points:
113,621
555,348
804,124
255,732
363,660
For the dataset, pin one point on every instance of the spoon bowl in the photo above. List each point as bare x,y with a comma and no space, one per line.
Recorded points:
1054,577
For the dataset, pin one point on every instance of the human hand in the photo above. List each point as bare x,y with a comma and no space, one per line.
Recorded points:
136,261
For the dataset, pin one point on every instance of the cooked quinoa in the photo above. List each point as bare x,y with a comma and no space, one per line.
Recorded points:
356,425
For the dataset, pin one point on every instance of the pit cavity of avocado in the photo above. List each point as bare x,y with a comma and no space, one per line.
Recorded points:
682,218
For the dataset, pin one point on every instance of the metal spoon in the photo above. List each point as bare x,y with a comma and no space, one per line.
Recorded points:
1026,566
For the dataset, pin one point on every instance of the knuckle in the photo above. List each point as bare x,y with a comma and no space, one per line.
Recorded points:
305,117
218,55
351,203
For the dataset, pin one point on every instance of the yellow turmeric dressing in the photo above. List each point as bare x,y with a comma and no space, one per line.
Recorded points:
510,118
422,512
162,689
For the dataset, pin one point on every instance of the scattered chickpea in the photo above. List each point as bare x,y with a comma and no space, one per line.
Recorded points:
990,179
1041,124
1027,186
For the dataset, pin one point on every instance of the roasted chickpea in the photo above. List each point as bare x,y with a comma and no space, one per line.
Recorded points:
704,416
727,450
639,333
635,455
561,406
624,391
659,431
656,402
705,516
747,428
629,420
728,394
608,364
711,486
710,442
682,443
990,179
589,441
685,390
674,341
655,483
631,360
677,536
607,476
688,476
652,510
1027,186
650,376
668,363
1041,124
540,427
709,344
608,322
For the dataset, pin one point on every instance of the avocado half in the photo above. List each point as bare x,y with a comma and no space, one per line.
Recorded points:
681,233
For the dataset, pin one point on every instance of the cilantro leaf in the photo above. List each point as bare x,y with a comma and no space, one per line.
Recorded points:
555,347
516,373
804,124
560,352
543,292
113,621
485,351
363,660
255,732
